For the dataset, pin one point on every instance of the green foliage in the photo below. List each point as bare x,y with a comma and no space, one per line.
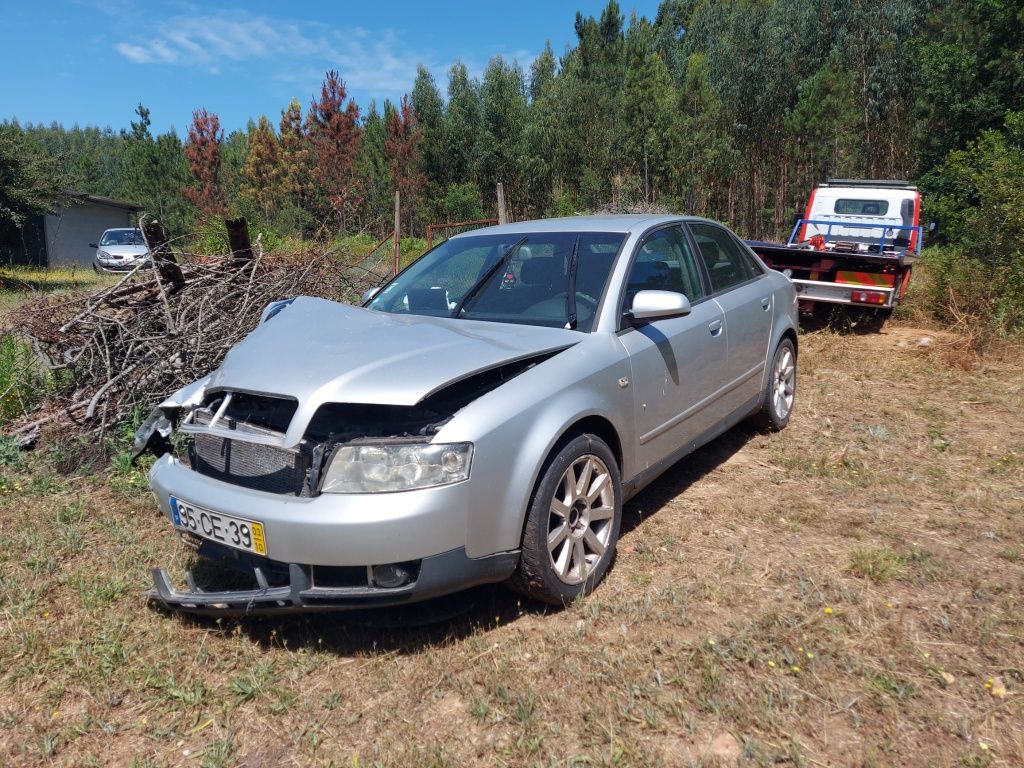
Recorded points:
30,181
22,381
463,203
976,194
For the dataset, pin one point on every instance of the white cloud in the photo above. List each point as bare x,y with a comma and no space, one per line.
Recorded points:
376,62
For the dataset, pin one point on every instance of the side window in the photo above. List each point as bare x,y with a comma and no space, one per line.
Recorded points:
753,266
664,262
727,264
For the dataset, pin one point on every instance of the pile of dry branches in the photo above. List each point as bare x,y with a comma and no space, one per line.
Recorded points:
124,348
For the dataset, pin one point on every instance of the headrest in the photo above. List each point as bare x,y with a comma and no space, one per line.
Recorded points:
541,270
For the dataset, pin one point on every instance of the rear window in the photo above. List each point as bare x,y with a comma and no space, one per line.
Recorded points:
862,207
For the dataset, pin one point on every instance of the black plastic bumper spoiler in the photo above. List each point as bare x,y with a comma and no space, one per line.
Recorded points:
439,575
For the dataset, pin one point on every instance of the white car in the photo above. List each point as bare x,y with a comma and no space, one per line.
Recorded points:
121,250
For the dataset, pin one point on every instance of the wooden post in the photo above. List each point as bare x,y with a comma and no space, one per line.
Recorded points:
430,236
398,228
163,258
238,237
502,213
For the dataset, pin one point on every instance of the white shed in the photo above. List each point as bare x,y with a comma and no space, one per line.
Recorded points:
70,229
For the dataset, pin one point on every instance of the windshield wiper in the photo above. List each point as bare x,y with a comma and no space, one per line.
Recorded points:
570,296
487,276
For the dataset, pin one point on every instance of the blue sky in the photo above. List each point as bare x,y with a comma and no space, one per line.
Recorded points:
91,61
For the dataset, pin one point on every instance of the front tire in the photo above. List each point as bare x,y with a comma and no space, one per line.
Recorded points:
778,401
572,526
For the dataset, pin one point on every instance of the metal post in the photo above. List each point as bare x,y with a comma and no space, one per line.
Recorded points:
502,213
398,228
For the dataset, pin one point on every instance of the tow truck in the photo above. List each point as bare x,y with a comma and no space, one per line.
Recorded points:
855,245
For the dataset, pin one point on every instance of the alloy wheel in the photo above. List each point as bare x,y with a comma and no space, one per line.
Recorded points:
580,522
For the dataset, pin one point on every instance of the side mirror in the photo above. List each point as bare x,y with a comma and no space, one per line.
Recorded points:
933,228
93,245
367,295
653,305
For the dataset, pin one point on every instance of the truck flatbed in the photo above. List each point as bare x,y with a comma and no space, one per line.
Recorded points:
781,250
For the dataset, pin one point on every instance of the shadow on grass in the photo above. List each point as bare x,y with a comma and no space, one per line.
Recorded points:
845,320
412,628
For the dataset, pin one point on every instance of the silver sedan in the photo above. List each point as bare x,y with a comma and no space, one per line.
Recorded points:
481,418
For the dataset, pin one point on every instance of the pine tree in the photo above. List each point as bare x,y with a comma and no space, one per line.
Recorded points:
263,172
202,151
334,131
295,154
402,147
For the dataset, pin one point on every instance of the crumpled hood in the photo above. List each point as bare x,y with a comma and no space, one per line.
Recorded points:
319,351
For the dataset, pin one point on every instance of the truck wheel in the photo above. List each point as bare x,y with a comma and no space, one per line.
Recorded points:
778,400
572,525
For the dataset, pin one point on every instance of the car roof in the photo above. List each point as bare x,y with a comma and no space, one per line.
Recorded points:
121,229
625,223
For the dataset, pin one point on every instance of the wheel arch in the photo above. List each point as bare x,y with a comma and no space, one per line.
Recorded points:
790,333
592,424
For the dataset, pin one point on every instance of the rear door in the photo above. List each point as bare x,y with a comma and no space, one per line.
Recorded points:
744,293
678,363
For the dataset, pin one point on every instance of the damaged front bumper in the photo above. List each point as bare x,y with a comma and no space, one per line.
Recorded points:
321,552
293,588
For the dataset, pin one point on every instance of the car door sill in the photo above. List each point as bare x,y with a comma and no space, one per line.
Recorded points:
693,409
647,476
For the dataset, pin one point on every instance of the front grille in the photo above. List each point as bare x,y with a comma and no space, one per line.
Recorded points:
250,465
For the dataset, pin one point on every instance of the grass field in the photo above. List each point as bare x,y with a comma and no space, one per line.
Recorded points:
18,282
845,593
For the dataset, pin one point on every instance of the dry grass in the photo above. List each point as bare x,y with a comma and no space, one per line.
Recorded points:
847,592
16,283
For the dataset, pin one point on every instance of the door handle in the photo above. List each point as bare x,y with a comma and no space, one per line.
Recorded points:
715,326
766,303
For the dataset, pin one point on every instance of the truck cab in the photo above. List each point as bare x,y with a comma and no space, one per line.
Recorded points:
875,215
855,244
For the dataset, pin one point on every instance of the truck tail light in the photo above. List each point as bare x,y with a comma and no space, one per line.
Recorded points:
867,297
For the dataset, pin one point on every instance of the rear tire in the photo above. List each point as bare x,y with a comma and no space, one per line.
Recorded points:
781,395
572,525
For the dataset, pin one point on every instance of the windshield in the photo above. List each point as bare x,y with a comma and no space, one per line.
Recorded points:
461,277
122,237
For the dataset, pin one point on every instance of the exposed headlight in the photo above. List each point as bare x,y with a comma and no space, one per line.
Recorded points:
386,467
104,255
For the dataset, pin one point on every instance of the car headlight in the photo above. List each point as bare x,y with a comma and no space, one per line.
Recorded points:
104,255
386,467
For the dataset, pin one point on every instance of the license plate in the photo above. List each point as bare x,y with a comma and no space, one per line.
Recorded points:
236,532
